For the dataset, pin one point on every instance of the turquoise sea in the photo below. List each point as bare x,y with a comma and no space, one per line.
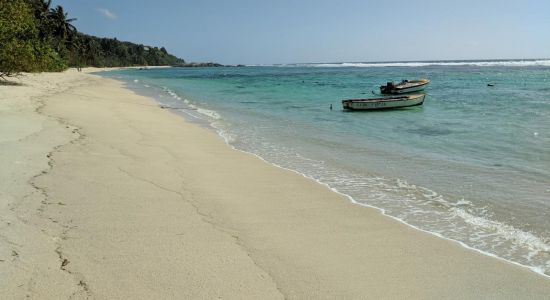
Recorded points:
472,164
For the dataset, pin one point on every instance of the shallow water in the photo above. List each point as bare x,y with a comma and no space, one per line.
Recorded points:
472,164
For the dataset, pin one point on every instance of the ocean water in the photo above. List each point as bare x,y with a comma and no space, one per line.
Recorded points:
472,164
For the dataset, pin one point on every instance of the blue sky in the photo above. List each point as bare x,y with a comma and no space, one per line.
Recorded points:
286,31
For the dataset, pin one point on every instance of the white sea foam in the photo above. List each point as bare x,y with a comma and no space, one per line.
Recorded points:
379,189
502,233
170,93
210,113
228,138
418,207
206,112
488,63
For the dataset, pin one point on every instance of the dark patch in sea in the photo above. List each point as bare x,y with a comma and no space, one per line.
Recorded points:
279,102
429,131
450,123
320,119
242,92
331,84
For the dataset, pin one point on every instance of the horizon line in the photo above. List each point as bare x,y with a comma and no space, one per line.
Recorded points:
402,61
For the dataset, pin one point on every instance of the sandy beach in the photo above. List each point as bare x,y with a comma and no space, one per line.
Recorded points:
105,195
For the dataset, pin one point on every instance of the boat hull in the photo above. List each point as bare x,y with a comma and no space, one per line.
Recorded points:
410,90
404,88
383,103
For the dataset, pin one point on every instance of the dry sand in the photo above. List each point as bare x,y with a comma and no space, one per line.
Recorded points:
104,195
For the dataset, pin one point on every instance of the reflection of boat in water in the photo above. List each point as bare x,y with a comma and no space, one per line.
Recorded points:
405,86
384,103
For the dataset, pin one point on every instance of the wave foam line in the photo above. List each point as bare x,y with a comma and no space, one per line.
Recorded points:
228,139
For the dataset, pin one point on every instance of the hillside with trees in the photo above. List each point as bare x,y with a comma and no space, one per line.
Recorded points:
87,50
36,37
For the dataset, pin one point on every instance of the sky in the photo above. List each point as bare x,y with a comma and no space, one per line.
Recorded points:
300,31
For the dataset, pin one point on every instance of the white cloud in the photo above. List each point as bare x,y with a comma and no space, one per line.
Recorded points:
106,13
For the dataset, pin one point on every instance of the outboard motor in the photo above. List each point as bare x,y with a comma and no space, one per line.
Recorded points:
386,89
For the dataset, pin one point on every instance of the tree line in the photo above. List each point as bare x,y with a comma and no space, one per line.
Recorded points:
36,37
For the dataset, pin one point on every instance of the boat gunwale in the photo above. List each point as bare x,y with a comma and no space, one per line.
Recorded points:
392,99
351,109
426,81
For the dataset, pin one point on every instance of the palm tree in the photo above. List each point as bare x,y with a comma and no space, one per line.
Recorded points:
41,10
62,31
62,27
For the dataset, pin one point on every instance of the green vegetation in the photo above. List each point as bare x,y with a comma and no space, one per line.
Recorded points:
21,49
104,52
35,37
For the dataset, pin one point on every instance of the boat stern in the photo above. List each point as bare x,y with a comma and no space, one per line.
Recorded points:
388,88
346,104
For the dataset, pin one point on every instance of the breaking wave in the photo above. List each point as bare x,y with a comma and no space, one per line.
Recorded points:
487,63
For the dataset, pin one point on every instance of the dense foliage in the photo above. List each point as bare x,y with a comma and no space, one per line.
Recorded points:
21,48
36,37
105,52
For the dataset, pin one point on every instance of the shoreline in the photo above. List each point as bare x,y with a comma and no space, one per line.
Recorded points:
320,245
218,131
383,211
